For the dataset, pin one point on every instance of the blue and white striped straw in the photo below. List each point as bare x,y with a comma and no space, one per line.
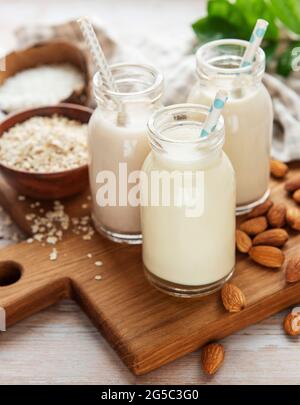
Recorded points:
213,116
254,42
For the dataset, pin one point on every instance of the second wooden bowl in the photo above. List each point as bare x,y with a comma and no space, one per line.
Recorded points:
44,186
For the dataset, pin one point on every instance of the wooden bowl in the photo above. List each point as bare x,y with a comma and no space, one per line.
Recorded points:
46,53
44,186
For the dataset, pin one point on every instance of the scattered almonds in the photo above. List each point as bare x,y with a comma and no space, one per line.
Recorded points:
212,357
278,168
292,184
233,298
267,256
292,270
293,218
260,210
273,237
291,324
276,215
254,226
243,241
296,196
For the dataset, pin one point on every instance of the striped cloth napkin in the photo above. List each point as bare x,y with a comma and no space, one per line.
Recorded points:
178,64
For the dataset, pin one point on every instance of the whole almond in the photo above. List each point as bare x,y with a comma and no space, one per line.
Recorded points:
243,241
276,215
293,218
233,298
278,168
267,256
293,184
273,237
254,226
291,324
261,209
212,357
296,196
292,270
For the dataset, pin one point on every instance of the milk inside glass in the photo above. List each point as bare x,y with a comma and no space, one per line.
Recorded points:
118,141
248,114
188,254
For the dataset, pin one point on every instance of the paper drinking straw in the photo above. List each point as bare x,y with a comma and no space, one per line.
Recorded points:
214,114
97,53
254,42
101,63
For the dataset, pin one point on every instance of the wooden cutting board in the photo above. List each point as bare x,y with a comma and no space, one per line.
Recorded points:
146,328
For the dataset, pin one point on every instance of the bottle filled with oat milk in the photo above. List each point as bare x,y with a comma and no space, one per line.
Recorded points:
118,146
248,114
187,204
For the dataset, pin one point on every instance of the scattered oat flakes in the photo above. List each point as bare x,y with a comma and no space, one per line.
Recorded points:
53,255
52,240
21,198
39,237
84,206
89,198
98,277
30,240
99,263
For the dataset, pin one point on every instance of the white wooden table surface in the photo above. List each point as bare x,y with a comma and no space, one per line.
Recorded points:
60,345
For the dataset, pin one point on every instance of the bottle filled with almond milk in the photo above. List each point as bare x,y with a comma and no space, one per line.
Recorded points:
118,146
248,114
187,204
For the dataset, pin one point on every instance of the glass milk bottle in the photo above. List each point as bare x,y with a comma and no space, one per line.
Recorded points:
118,146
187,204
248,114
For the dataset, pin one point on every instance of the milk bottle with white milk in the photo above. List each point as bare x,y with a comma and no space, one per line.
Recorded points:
248,114
188,204
118,146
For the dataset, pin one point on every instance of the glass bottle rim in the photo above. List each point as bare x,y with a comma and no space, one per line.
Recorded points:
174,113
155,85
203,65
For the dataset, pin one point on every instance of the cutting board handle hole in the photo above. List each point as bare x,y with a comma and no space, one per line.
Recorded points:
10,273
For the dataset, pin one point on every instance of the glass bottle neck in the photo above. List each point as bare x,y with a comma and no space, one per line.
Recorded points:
139,91
174,132
219,65
135,83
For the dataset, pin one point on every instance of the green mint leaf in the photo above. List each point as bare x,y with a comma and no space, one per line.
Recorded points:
229,12
254,9
210,28
288,11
